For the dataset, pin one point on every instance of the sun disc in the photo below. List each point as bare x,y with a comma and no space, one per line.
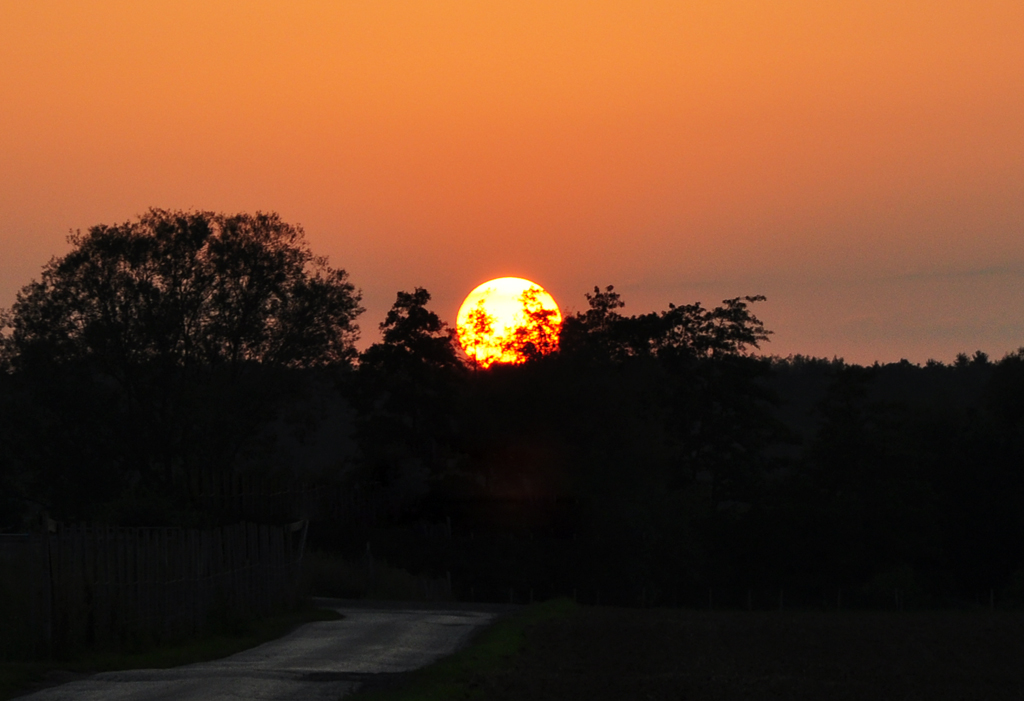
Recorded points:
506,318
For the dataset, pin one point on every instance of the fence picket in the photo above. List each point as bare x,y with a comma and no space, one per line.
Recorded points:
107,586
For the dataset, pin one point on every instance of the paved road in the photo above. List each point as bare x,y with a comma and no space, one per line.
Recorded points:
319,661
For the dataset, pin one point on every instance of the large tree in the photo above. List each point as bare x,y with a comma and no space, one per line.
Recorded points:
187,288
409,383
415,340
151,359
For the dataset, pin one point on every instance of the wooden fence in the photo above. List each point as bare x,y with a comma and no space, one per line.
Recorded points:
25,597
111,586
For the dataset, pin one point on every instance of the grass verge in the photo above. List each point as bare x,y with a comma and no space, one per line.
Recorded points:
609,654
17,678
456,677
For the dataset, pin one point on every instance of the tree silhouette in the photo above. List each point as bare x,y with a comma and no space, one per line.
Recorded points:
414,339
537,336
727,330
407,387
592,333
157,351
477,333
187,289
690,331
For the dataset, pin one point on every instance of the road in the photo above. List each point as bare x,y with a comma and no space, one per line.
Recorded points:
318,661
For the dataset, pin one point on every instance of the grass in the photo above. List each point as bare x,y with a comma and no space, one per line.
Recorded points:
561,651
606,654
457,676
17,678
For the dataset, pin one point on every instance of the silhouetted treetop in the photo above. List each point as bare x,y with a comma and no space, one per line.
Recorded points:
537,336
727,330
594,332
188,289
412,336
689,330
476,333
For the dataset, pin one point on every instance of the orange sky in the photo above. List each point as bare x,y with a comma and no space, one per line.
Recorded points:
862,166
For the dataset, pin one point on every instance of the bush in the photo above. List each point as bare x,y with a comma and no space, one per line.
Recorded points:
328,574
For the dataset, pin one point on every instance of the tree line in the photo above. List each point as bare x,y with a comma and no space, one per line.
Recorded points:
645,458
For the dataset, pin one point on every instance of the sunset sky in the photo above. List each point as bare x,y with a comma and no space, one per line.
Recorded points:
860,163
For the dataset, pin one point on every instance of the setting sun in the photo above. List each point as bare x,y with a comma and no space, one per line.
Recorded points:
508,320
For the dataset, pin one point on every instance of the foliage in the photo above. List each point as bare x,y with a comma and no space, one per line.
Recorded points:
153,358
688,331
658,453
534,335
406,389
330,575
415,340
187,289
475,334
635,455
537,336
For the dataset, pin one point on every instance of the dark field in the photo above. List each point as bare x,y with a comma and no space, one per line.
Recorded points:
606,653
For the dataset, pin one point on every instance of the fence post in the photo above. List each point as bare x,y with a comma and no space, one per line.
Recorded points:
48,537
370,583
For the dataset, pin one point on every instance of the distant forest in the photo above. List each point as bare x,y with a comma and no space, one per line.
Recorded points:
167,365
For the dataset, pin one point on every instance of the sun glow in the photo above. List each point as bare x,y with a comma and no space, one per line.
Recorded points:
508,320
